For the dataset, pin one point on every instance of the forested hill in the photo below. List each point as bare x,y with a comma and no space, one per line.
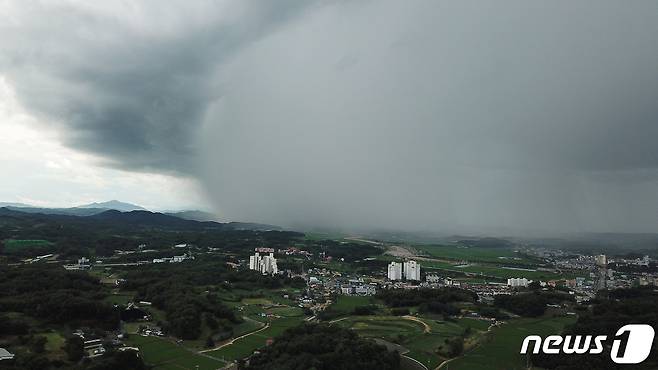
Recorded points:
152,219
24,235
132,219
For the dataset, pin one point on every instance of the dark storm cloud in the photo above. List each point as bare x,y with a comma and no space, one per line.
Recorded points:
430,115
129,81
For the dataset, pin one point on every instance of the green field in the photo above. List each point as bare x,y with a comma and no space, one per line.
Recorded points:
496,271
54,345
258,301
385,327
120,299
286,311
501,351
496,255
319,236
13,245
499,263
243,347
257,308
347,304
421,342
165,355
247,326
476,324
55,341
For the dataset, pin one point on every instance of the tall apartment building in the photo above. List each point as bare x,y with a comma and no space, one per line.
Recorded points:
265,264
412,270
395,271
517,282
409,270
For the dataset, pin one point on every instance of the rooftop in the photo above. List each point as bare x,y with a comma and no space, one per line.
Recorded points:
5,355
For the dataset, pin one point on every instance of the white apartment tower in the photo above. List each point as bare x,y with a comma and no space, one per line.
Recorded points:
412,270
518,282
265,264
395,271
409,270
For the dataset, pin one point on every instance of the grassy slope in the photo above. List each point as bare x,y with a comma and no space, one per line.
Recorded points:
247,345
410,334
501,352
12,245
165,355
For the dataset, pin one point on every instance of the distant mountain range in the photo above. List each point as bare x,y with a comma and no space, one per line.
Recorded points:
194,215
9,204
83,210
121,212
115,205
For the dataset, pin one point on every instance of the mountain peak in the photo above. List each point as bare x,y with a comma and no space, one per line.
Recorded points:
114,204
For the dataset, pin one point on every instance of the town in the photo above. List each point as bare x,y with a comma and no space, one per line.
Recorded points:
218,299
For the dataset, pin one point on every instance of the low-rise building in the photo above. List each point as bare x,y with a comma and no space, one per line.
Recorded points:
433,279
5,355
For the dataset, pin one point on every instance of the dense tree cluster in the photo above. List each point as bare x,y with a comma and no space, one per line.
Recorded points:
425,297
185,309
370,309
55,295
438,307
177,289
124,360
324,347
454,346
102,234
112,360
173,289
13,326
530,304
34,297
402,311
493,312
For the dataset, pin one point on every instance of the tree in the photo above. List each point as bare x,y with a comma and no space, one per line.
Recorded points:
365,310
39,344
211,322
535,285
455,346
124,360
324,347
74,348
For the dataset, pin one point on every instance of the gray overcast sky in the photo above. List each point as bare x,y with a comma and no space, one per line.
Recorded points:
439,115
